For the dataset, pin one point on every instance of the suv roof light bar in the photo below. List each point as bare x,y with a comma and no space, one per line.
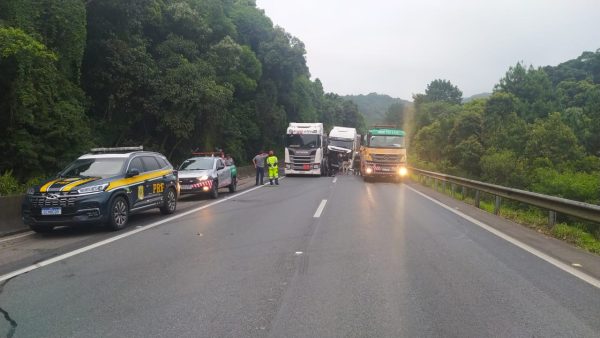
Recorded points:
116,150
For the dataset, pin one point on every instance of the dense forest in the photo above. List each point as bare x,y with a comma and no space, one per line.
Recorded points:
539,130
172,75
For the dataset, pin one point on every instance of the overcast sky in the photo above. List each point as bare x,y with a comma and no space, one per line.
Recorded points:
397,47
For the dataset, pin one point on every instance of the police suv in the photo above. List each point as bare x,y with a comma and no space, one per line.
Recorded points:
104,186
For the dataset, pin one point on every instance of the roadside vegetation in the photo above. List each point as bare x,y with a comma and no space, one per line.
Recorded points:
172,75
539,131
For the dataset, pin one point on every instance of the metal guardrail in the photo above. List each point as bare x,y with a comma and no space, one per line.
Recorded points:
553,204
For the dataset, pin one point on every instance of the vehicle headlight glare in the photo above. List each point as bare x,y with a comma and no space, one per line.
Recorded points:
369,170
402,171
93,188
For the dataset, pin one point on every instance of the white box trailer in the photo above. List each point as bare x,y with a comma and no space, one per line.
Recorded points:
305,149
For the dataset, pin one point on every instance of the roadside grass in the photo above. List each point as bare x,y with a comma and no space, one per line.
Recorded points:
581,234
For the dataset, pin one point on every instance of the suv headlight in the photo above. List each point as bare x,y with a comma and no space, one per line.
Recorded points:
93,188
203,178
30,191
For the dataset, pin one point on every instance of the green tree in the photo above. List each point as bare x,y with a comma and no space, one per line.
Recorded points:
443,90
552,139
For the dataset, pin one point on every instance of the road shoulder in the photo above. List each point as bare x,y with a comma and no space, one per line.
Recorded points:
562,251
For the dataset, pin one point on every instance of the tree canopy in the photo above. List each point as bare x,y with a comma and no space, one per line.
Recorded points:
173,75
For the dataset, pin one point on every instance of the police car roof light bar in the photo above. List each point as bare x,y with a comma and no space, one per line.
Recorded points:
209,154
116,150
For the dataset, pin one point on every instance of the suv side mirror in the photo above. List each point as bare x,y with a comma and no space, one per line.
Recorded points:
220,167
132,172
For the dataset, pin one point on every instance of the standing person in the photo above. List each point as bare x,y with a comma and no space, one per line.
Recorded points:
259,164
273,165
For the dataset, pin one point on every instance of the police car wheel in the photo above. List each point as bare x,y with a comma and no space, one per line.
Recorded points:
170,203
233,184
42,228
119,213
214,193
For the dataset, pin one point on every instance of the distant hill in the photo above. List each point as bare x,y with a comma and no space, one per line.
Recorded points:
373,105
476,96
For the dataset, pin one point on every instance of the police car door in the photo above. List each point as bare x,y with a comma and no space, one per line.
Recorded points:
155,184
137,190
222,173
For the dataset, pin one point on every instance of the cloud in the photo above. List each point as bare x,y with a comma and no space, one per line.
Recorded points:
398,47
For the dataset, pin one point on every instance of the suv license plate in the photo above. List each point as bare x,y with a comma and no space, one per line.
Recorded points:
185,187
51,211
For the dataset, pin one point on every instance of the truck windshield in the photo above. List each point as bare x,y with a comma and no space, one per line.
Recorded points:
197,164
303,141
341,143
386,141
94,167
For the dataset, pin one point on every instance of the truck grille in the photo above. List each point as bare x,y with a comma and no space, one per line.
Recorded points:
51,200
299,161
387,158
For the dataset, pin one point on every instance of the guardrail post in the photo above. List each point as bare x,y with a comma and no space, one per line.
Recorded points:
436,184
497,205
477,198
452,188
551,218
464,192
444,187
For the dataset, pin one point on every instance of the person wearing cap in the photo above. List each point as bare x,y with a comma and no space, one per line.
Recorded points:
259,164
272,165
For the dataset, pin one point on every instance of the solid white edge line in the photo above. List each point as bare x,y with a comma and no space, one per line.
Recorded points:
565,267
13,237
118,237
320,209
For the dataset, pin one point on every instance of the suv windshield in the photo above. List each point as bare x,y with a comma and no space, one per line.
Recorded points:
197,164
94,167
386,141
303,141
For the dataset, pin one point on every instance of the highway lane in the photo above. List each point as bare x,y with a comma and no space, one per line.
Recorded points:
380,260
28,248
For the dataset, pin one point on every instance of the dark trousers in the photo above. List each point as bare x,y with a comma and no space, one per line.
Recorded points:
260,174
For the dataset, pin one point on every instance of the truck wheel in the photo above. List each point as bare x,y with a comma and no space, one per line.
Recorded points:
170,202
233,185
214,193
42,228
118,214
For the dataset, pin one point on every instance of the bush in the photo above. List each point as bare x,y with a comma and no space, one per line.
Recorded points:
9,184
576,236
577,186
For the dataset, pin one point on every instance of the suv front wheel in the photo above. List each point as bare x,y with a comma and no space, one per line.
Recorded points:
118,213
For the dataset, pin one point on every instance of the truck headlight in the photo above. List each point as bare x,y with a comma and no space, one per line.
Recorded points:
93,188
402,171
369,170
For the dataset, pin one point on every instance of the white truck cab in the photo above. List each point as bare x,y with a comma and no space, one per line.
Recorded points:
305,149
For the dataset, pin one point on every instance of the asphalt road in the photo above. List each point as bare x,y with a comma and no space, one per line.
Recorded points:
374,260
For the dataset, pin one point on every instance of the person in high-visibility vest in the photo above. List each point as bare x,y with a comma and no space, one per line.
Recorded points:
272,165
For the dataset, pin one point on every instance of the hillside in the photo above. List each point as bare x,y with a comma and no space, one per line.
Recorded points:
374,105
476,96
